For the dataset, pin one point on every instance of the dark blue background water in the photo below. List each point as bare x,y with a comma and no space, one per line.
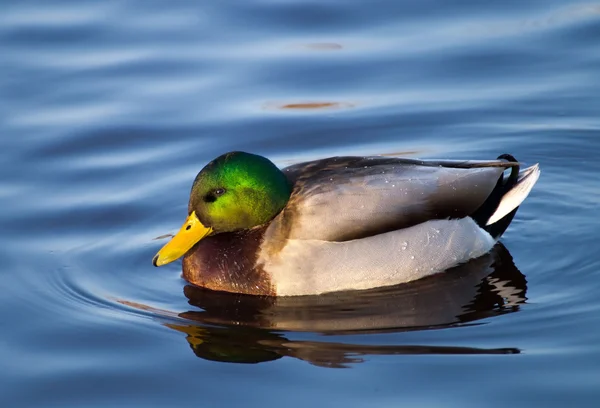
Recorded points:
108,109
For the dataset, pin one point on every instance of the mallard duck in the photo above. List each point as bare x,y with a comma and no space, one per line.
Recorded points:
341,223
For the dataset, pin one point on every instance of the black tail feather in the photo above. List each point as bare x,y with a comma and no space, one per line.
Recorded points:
487,209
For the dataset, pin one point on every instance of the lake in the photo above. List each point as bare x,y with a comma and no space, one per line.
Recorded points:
109,109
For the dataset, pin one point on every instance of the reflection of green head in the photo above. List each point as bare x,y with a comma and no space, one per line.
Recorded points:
231,345
238,191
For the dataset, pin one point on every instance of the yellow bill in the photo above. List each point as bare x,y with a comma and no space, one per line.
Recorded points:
191,232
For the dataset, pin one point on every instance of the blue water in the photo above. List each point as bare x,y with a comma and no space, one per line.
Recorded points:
108,110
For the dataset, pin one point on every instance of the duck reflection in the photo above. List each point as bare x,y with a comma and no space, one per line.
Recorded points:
248,329
249,346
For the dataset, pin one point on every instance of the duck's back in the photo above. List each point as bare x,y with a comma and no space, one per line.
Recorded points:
345,198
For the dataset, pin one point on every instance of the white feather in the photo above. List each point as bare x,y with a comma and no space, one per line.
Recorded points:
513,198
313,266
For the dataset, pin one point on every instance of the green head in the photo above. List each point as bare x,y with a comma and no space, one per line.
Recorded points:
238,191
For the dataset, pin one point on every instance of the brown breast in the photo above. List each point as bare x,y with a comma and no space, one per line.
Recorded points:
227,262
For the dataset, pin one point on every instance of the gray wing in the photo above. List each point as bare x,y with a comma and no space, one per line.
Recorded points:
344,198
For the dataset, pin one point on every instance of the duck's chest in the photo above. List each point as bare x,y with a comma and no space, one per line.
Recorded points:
228,262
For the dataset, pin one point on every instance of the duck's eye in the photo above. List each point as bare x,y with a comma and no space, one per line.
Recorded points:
212,196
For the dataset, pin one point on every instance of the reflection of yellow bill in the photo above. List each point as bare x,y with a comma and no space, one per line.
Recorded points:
191,232
195,333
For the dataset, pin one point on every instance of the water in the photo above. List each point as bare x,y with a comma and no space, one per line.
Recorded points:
110,108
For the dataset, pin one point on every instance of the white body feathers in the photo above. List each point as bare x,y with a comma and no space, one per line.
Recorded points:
312,267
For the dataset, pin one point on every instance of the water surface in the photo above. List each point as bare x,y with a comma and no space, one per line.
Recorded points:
110,108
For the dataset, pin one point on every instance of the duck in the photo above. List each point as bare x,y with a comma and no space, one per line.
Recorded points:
341,223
